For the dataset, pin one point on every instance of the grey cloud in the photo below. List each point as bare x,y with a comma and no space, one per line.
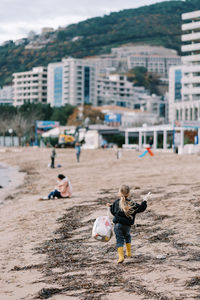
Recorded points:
20,16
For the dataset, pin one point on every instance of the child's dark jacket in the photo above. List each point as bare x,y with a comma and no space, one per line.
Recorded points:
119,215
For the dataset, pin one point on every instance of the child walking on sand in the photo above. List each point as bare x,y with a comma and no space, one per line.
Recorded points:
124,211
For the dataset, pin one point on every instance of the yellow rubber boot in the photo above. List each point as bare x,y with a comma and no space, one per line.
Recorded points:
128,249
120,251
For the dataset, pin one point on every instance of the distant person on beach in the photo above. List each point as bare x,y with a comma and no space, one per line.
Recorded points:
53,155
150,142
117,152
78,150
62,190
124,211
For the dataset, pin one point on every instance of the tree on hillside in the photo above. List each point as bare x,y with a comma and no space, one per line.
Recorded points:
141,77
157,24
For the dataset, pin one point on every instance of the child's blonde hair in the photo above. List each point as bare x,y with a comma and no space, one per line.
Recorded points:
125,206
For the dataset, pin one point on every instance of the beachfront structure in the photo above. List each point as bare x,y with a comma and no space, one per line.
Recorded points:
30,86
167,137
155,59
125,117
187,107
6,95
71,81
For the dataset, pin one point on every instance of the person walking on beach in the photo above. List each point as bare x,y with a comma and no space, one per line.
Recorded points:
53,155
62,190
150,142
78,150
117,152
124,211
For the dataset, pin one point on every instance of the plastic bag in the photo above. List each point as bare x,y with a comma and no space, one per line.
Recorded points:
102,229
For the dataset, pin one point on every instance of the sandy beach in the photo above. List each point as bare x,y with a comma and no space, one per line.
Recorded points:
46,248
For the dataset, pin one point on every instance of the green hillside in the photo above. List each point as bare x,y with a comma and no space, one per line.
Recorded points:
158,24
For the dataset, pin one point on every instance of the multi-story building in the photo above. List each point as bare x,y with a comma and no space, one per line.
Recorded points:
184,104
156,60
6,95
71,81
106,64
114,90
175,97
118,91
30,86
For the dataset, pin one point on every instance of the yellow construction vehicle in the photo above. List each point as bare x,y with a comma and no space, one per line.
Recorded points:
66,140
69,138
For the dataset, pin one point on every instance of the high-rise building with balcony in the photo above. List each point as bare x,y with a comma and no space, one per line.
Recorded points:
71,81
30,86
191,58
184,98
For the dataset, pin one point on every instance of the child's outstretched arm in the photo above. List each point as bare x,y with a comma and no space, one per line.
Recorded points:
147,196
140,207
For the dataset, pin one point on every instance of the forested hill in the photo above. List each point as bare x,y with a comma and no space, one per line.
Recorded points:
158,24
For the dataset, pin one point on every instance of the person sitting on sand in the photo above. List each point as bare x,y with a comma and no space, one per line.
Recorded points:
62,190
124,211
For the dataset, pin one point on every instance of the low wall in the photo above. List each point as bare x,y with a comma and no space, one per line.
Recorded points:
189,149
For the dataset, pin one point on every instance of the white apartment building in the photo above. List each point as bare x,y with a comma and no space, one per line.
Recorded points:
156,60
116,90
6,95
30,86
187,106
106,64
71,81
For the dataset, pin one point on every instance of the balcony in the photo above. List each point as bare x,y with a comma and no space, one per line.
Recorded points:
191,91
191,15
190,58
190,68
190,37
191,26
191,47
194,79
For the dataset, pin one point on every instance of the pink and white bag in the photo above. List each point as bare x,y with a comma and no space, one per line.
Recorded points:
102,229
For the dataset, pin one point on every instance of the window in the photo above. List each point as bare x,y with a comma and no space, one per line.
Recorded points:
186,114
177,114
196,113
190,114
58,86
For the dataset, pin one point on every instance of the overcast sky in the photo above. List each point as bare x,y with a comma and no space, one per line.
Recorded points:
18,17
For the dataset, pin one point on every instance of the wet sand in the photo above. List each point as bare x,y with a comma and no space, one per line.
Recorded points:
46,249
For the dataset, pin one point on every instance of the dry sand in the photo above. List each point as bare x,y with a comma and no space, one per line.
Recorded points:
46,248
